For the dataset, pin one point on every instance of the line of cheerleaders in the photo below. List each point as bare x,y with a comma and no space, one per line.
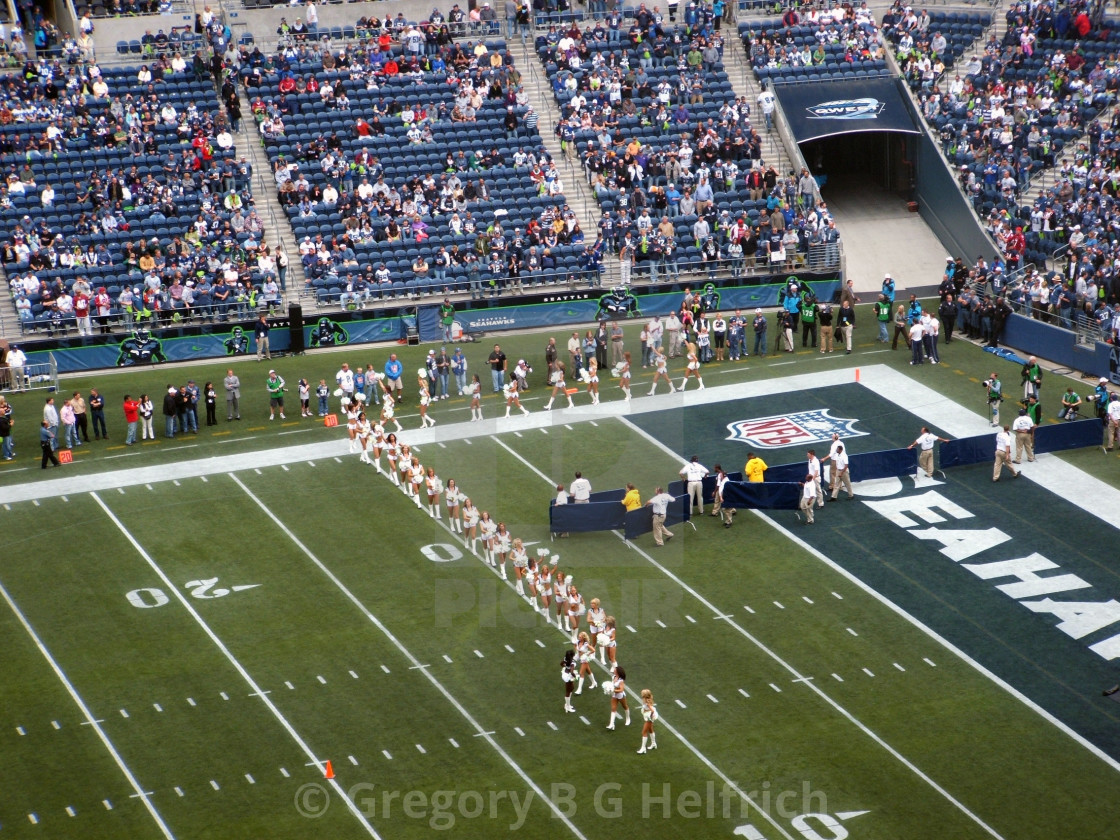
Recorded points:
538,580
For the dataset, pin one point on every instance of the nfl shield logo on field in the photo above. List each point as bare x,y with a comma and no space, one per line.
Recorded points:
791,429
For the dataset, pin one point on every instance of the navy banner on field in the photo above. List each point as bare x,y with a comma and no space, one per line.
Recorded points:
825,109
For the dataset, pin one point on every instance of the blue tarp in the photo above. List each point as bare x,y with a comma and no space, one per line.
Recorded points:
765,495
605,513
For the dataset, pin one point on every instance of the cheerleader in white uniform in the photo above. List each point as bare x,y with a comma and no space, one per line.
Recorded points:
692,369
531,582
576,608
469,528
416,477
585,652
365,438
488,528
558,386
513,398
405,466
434,487
388,413
353,410
502,545
560,595
378,444
392,452
593,381
544,588
608,641
425,399
453,497
596,621
661,365
618,696
568,670
624,375
475,391
520,560
649,718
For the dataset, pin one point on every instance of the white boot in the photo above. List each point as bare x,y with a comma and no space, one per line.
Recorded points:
507,411
548,406
653,390
653,740
611,724
579,687
436,506
525,411
473,541
594,685
683,383
418,502
643,749
701,388
627,717
626,391
520,588
504,572
570,403
672,390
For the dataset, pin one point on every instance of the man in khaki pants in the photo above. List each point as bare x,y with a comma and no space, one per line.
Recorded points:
925,443
1003,454
1023,427
660,504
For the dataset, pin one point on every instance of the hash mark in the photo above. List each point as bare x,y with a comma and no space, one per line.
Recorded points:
70,811
249,779
285,773
157,707
224,695
124,713
539,643
289,685
838,678
868,672
691,620
899,667
631,629
447,659
353,760
744,693
478,653
387,755
56,724
321,680
585,720
175,481
179,791
713,699
214,785
191,701
511,650
748,609
454,743
355,676
552,726
660,623
775,688
108,805
929,662
838,596
423,751
20,730
519,731
385,669
853,632
778,605
34,819
682,705
806,599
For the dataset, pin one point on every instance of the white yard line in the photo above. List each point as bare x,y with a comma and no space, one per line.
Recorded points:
140,793
171,587
774,655
480,731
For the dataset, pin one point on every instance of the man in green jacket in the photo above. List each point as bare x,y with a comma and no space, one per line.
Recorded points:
275,385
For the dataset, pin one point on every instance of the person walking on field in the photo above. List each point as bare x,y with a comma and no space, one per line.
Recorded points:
1003,454
926,441
660,505
808,497
843,476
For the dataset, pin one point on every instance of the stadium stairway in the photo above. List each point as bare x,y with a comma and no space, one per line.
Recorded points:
745,83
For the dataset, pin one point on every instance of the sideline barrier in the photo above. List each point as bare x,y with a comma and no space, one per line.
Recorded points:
605,513
1052,438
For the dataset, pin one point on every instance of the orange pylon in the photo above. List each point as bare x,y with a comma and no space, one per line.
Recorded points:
328,771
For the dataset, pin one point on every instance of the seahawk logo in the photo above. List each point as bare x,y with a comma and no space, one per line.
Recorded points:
847,109
783,430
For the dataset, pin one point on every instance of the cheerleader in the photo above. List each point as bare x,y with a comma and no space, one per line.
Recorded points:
365,435
452,496
353,410
558,386
378,444
425,399
593,381
475,392
434,487
488,528
585,653
304,398
661,365
576,608
649,717
391,453
568,670
560,595
513,398
618,696
520,563
388,412
544,588
624,375
469,527
531,582
502,546
405,464
692,369
416,477
596,622
608,641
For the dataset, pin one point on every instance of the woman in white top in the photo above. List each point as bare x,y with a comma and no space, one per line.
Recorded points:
513,398
692,368
425,399
624,375
391,453
596,621
352,412
520,560
531,582
475,391
388,409
434,486
558,386
618,696
661,371
544,588
377,443
453,497
365,434
585,652
416,476
560,596
405,464
488,528
576,608
649,717
469,528
608,643
502,545
593,381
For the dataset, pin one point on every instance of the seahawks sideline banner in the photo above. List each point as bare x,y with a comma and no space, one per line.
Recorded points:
825,109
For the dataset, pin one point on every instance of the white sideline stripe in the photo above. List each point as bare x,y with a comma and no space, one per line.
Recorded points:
426,672
778,659
680,737
233,661
89,718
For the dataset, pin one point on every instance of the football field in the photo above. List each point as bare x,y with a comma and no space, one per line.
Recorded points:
187,649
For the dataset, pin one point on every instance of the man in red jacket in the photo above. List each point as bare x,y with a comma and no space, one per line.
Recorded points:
131,417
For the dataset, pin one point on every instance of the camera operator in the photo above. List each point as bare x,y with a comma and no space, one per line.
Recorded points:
995,397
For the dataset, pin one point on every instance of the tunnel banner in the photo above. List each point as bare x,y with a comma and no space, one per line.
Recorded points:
825,109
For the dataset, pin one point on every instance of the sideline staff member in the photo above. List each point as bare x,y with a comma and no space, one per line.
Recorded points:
660,505
926,441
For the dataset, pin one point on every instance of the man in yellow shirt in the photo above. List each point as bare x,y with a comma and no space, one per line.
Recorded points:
754,469
632,500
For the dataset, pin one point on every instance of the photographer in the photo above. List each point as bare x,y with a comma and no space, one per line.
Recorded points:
521,373
995,397
1031,375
